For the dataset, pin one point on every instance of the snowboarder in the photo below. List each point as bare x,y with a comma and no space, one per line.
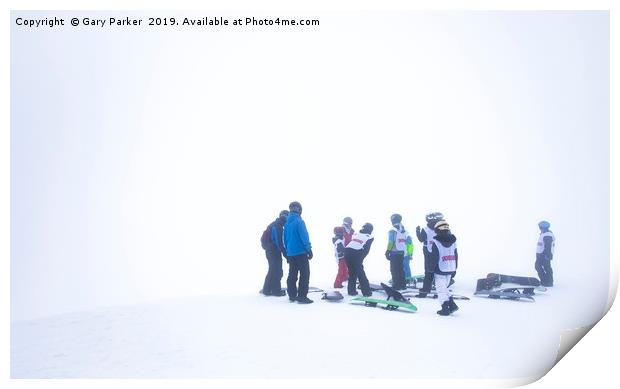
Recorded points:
338,241
445,260
399,252
425,235
272,243
544,254
299,251
347,223
354,255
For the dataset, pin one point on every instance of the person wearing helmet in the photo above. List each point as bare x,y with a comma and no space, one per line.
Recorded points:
425,235
399,252
274,249
354,254
347,223
544,254
299,250
338,241
445,262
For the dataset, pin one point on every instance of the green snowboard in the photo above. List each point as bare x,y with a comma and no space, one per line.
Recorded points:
389,304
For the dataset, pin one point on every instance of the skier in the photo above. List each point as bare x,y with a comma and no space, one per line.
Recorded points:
299,251
273,251
425,235
544,254
354,255
338,241
399,251
347,223
445,260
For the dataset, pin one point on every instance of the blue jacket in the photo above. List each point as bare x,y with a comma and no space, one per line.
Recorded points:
296,239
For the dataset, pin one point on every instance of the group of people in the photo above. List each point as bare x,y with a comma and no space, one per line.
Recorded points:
288,237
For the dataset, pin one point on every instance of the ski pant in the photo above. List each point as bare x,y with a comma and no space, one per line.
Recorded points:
274,274
354,260
441,284
396,268
343,273
543,267
298,265
407,268
427,284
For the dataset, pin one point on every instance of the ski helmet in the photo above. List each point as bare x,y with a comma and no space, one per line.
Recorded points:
396,218
347,220
339,231
295,207
544,225
367,228
441,225
437,216
430,217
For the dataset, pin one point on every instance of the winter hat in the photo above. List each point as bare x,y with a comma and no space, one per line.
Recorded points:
295,207
441,225
396,218
544,225
367,228
347,220
339,231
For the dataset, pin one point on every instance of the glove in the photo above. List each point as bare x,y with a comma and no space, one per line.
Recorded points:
310,254
417,230
387,254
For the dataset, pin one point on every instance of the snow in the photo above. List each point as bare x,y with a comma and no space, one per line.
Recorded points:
253,336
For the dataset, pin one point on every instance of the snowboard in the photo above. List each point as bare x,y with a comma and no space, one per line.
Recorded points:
394,300
499,279
311,289
390,305
508,293
332,296
433,295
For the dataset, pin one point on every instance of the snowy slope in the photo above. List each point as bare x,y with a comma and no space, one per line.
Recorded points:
252,336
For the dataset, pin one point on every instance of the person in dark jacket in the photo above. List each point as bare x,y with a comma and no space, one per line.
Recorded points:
425,235
445,262
544,254
354,255
299,251
273,251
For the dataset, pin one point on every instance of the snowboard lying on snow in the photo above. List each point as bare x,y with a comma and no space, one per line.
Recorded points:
490,287
311,289
508,293
332,296
394,300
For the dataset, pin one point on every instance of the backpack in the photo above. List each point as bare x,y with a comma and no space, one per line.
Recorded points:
265,239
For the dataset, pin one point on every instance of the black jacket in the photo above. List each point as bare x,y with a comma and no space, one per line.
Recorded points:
446,239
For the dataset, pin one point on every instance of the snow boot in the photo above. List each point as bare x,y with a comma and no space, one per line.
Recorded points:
445,309
280,294
452,305
304,300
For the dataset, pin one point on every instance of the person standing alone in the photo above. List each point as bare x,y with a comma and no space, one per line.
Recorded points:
544,253
299,251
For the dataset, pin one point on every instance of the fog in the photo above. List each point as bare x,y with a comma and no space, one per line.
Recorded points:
145,164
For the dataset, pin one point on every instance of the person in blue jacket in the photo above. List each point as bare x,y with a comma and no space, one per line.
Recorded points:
299,252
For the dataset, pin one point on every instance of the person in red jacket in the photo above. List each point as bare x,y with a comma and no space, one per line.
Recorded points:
338,241
347,224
